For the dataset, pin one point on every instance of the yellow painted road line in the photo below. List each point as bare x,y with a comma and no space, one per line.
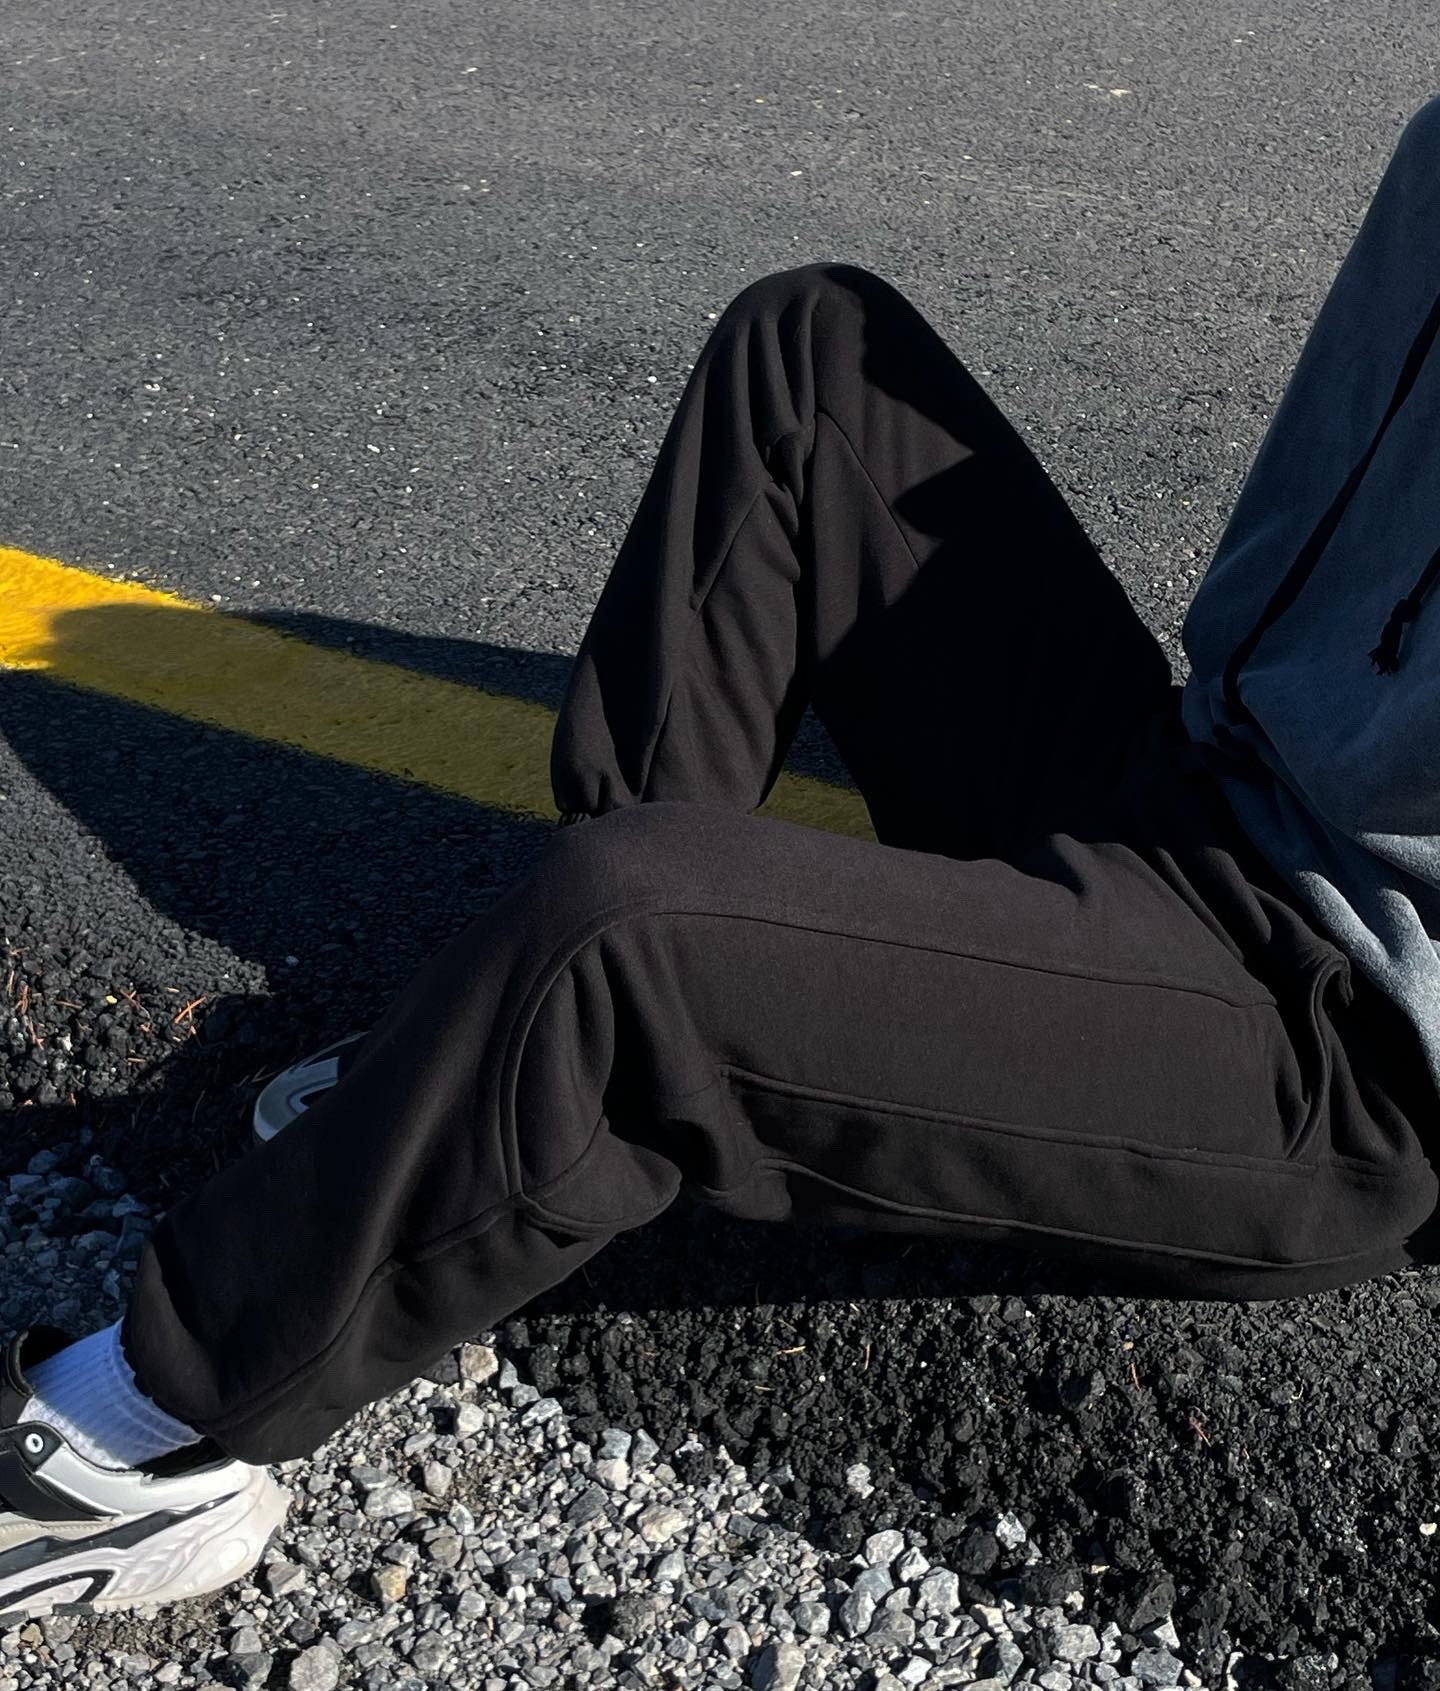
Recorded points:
154,649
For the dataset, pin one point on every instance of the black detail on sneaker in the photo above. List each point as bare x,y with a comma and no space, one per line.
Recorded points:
35,1344
23,1491
100,1576
183,1460
124,1537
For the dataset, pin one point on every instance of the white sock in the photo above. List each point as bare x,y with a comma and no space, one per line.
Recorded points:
88,1392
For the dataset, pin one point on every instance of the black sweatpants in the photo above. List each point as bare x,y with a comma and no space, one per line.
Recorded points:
1063,1002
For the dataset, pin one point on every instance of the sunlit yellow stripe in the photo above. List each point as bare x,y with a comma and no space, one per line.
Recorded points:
153,649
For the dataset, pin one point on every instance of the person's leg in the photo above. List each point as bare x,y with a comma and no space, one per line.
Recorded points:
841,515
1061,1051
1112,1042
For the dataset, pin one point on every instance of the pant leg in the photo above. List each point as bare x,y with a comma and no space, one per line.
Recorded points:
840,515
792,1022
1061,1051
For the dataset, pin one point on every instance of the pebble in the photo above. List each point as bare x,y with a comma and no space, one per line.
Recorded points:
812,1617
876,1582
1074,1643
893,1630
881,1548
388,1501
478,1363
735,1641
316,1669
589,1504
461,1519
469,1419
283,1577
659,1522
389,1583
856,1613
522,1569
613,1472
428,1652
778,1668
356,1634
939,1593
1156,1667
437,1478
252,1667
1003,1659
643,1450
857,1479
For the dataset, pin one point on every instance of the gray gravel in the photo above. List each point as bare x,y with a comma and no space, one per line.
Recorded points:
457,1535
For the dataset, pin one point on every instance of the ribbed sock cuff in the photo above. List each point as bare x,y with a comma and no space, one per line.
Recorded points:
88,1392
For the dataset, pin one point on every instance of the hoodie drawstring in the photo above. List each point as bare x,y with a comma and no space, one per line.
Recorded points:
1386,656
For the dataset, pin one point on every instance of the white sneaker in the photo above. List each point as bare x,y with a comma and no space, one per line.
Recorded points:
76,1537
295,1089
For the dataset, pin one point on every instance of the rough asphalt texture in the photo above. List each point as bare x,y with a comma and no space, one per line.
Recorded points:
368,321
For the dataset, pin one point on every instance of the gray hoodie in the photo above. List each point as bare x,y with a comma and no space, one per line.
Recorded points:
1314,637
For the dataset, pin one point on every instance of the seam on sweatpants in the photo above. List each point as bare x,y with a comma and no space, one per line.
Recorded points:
1023,1130
1352,1169
864,470
698,607
1184,1251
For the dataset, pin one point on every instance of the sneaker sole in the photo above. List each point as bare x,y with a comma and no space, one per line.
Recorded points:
188,1559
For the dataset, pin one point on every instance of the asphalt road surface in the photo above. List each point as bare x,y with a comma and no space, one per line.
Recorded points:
366,321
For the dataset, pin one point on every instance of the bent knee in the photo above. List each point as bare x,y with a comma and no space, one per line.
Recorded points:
817,284
1421,135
